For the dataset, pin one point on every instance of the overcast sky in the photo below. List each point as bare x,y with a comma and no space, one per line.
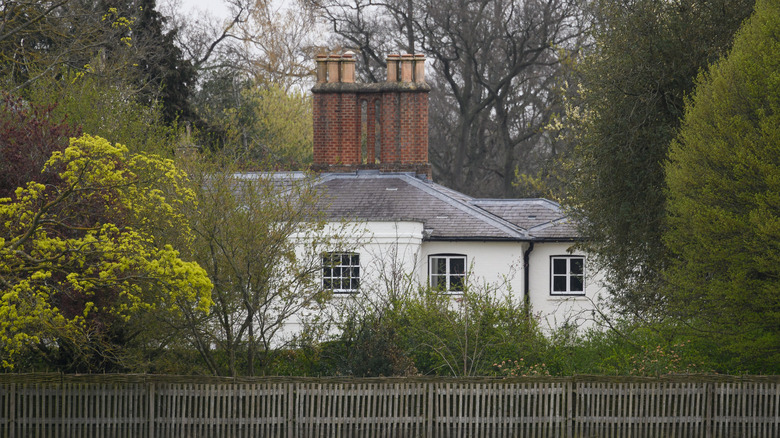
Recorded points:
213,7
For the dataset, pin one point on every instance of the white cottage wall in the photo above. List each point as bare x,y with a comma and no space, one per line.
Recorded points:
557,310
387,250
394,255
497,265
389,259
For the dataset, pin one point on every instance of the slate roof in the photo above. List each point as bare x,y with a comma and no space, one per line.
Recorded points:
445,213
544,219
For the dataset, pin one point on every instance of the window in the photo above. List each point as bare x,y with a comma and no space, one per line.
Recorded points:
567,275
341,272
447,272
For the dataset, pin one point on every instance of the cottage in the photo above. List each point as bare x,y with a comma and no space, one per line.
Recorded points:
371,154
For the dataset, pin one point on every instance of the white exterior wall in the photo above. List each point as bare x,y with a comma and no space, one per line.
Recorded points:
389,250
494,264
386,249
389,258
553,310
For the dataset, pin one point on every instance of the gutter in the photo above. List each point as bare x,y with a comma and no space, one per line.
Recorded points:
526,277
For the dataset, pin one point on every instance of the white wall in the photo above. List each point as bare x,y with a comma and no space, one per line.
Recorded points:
557,310
389,261
394,256
495,264
388,251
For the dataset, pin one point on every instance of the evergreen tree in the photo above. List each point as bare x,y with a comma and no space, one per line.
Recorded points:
162,64
159,68
723,178
631,96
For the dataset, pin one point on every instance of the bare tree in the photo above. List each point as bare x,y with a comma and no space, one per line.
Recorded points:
495,63
260,238
260,40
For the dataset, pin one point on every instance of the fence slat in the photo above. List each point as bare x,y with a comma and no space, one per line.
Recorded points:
162,407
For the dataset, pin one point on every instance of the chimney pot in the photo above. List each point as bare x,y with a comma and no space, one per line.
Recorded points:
419,67
333,68
407,62
348,68
392,67
322,68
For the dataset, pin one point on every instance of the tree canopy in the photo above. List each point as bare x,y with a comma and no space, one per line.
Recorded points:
29,133
495,64
261,238
627,101
84,259
723,177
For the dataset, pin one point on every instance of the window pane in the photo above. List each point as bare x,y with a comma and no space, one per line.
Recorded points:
456,282
559,266
345,259
438,282
327,272
355,260
576,283
441,266
577,265
559,283
327,284
355,273
354,283
457,265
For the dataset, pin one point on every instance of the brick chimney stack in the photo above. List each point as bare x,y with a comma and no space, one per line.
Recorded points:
371,126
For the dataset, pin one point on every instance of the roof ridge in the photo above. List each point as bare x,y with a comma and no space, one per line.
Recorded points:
474,211
516,200
548,224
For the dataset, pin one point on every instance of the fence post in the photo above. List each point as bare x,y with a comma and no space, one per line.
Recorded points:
291,405
709,406
12,410
570,407
150,412
430,389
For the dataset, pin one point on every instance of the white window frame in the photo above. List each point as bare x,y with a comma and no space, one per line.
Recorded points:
448,274
334,270
568,275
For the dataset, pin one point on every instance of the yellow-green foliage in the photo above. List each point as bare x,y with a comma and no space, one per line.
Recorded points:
723,178
85,253
274,126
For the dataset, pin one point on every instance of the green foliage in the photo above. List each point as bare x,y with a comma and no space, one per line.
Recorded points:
626,348
484,333
123,43
723,178
465,335
369,345
260,237
281,129
548,183
107,109
38,39
166,78
82,263
264,124
428,332
623,113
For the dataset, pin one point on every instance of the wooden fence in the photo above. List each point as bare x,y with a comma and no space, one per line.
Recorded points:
46,405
